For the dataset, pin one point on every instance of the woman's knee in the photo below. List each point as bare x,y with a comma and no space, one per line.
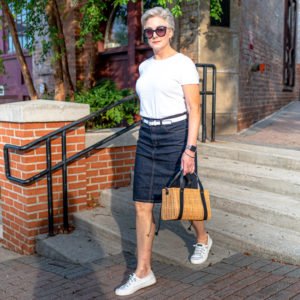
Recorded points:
143,208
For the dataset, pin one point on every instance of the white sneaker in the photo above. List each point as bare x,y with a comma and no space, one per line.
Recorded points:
134,284
201,252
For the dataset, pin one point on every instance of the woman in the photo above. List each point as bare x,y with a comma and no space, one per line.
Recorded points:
168,90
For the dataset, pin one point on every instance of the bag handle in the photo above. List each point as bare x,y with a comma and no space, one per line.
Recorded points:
182,181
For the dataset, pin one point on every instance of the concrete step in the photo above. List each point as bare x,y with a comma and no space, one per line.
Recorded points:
270,208
238,233
282,181
275,157
76,247
173,245
257,238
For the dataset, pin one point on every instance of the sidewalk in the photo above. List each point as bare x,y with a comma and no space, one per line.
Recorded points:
281,129
237,277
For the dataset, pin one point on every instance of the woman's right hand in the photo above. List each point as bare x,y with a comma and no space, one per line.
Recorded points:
188,162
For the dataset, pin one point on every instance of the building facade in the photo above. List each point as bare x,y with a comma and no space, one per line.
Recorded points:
253,48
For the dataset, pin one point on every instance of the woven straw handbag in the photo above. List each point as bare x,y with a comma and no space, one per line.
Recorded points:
181,203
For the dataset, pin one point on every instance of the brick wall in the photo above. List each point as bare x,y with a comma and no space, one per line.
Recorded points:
24,208
108,168
261,41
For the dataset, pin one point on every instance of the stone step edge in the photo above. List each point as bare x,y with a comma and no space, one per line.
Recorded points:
257,150
239,167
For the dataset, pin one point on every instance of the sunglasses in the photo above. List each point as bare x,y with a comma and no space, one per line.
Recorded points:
160,31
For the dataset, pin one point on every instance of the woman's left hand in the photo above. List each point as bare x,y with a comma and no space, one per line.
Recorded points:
188,162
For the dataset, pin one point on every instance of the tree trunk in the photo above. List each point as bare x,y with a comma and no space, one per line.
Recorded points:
19,52
60,90
90,80
64,54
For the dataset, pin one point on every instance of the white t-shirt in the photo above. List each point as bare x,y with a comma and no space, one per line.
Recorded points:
159,86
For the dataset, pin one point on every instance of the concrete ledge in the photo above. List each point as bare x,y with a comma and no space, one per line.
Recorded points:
42,111
127,139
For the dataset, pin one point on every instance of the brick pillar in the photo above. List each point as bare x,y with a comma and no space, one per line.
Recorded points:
24,208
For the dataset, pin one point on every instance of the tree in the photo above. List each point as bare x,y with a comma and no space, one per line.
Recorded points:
20,55
61,65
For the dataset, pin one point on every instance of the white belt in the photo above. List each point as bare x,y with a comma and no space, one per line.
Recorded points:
164,121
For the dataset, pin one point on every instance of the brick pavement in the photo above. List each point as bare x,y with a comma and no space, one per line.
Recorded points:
281,129
237,277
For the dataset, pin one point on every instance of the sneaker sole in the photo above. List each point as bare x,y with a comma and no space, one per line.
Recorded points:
144,285
195,262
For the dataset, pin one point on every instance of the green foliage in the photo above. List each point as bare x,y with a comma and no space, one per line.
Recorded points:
216,9
105,94
92,16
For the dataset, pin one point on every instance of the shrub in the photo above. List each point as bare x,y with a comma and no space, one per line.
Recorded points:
103,95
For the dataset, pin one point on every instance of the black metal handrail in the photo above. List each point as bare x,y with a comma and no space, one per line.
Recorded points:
204,92
61,132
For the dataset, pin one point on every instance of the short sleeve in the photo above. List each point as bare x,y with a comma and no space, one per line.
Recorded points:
189,73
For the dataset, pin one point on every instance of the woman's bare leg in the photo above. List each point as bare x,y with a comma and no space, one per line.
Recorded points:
145,230
201,234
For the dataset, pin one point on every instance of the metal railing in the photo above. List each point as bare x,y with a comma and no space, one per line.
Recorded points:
63,164
65,161
204,92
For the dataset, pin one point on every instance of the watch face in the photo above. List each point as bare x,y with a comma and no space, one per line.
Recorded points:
192,148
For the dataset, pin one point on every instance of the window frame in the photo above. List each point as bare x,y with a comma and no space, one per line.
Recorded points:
289,44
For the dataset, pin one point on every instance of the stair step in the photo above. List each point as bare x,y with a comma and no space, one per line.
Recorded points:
246,235
75,247
268,178
276,157
254,230
173,244
263,206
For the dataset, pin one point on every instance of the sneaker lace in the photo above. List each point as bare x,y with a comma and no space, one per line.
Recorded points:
132,279
199,249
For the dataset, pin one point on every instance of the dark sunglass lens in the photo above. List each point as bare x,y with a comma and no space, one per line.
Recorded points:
148,33
161,31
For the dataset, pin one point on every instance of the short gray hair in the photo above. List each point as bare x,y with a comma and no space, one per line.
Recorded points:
157,11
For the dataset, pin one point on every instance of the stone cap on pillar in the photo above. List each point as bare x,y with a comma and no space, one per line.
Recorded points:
42,111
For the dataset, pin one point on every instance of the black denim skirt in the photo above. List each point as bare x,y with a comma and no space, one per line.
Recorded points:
158,159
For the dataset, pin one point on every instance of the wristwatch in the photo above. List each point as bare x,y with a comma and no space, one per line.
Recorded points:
191,148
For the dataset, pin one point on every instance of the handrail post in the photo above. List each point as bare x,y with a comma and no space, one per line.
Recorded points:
213,113
65,182
204,83
49,188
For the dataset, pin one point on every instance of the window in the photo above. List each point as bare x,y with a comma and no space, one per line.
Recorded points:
20,26
289,43
225,17
117,31
116,34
